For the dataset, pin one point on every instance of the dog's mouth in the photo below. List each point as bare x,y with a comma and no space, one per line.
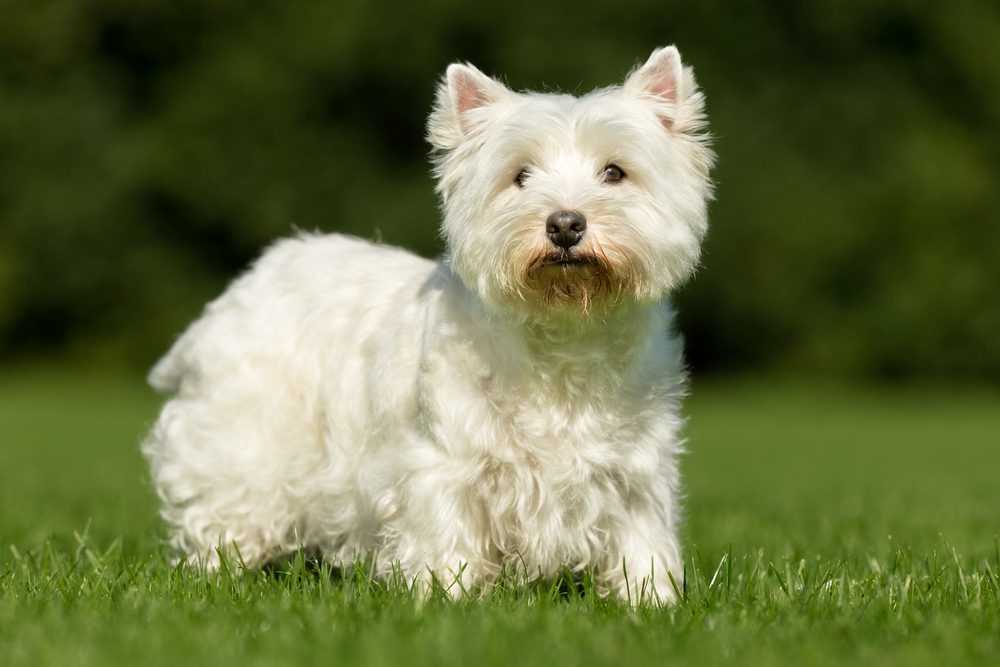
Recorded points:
567,259
570,276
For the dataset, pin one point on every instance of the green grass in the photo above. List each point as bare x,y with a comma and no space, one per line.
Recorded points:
825,525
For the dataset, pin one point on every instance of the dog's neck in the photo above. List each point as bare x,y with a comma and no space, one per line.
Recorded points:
616,337
603,347
608,346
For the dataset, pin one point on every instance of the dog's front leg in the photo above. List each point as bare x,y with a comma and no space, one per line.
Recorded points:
649,567
441,533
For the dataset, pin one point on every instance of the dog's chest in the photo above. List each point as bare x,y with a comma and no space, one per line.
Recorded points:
553,451
550,489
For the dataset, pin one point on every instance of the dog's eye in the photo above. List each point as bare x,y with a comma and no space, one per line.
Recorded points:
521,177
613,174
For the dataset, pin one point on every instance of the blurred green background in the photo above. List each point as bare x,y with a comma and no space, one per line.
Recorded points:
149,149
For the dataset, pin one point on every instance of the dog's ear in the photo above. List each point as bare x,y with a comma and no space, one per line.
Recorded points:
463,99
662,79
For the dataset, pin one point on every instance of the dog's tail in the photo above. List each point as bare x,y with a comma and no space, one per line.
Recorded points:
178,363
165,377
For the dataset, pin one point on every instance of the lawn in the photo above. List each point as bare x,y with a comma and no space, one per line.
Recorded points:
826,525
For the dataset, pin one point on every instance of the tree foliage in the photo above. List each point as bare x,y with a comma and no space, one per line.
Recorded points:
150,149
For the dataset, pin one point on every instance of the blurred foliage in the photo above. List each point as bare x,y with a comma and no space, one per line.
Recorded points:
150,148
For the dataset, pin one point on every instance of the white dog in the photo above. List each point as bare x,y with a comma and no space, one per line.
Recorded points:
515,404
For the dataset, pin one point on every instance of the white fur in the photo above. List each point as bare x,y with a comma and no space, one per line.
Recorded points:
493,409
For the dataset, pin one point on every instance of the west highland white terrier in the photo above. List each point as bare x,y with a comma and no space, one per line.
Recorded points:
513,405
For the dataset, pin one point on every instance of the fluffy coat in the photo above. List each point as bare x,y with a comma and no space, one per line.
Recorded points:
515,404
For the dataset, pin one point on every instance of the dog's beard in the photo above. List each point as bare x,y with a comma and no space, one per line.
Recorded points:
582,276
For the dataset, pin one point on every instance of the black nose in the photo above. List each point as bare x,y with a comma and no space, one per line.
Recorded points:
565,228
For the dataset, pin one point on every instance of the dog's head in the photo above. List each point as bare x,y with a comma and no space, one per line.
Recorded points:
554,203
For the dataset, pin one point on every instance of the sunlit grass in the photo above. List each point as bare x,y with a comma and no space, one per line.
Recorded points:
824,525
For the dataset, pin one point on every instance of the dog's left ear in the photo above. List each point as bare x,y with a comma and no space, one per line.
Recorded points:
464,97
661,79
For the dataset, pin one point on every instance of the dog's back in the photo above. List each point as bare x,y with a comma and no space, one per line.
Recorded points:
296,282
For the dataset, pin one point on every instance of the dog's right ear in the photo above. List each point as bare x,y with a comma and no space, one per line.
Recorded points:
464,97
